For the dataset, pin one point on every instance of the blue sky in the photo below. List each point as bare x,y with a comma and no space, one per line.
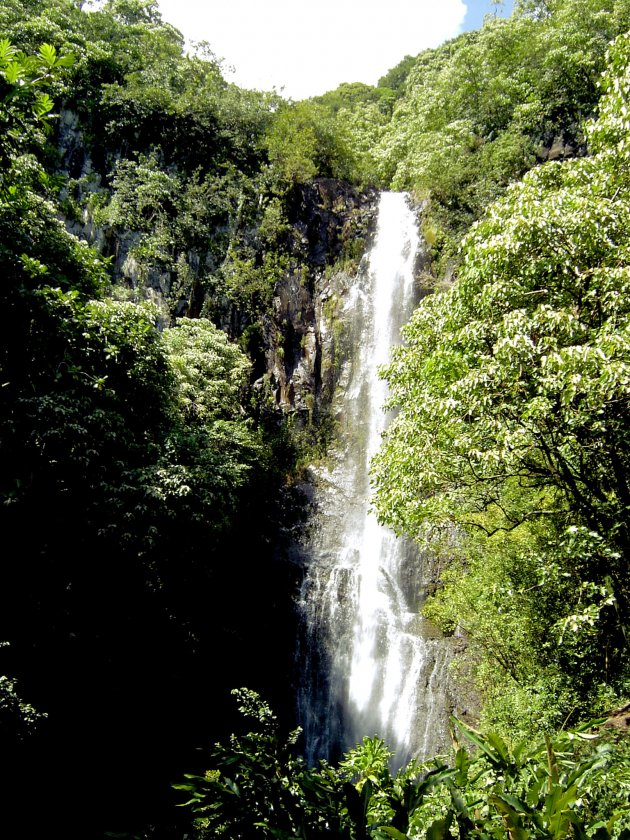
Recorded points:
304,48
477,9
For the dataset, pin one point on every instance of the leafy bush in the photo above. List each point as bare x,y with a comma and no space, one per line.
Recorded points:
257,787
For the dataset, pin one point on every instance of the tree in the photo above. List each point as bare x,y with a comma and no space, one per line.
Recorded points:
514,388
483,109
114,443
304,141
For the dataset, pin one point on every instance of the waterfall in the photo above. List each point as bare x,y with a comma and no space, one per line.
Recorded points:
369,665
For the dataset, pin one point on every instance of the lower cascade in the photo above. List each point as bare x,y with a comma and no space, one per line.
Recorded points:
369,662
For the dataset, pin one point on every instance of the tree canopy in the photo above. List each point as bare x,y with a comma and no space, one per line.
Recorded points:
144,229
512,389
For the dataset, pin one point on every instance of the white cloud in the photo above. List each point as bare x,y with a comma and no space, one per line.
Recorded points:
309,48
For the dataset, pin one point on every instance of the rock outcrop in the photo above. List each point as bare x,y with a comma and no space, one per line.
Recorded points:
298,342
332,224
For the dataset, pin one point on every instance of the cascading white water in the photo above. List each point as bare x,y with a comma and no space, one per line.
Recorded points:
368,667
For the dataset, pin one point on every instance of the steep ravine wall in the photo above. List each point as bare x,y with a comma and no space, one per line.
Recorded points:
296,354
331,223
303,342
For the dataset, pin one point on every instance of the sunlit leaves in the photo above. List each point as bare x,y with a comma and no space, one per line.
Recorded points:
305,140
211,372
536,328
48,55
27,70
25,107
513,398
548,789
481,110
7,52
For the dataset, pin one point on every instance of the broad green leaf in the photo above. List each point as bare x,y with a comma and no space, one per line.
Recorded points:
512,817
479,741
499,745
388,831
43,104
48,54
12,72
66,60
438,830
433,778
7,51
517,805
366,793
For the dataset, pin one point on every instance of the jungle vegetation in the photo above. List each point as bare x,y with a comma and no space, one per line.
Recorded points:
146,211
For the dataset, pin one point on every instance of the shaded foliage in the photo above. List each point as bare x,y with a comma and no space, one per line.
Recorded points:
130,472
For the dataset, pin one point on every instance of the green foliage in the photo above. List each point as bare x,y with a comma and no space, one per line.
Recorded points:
128,465
211,373
349,96
304,140
169,217
130,471
251,285
359,114
273,228
535,790
535,628
478,111
395,78
25,107
256,787
513,397
18,719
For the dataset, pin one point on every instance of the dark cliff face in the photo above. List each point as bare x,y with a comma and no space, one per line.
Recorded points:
291,335
332,224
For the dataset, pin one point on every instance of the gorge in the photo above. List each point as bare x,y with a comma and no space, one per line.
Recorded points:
368,666
199,284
